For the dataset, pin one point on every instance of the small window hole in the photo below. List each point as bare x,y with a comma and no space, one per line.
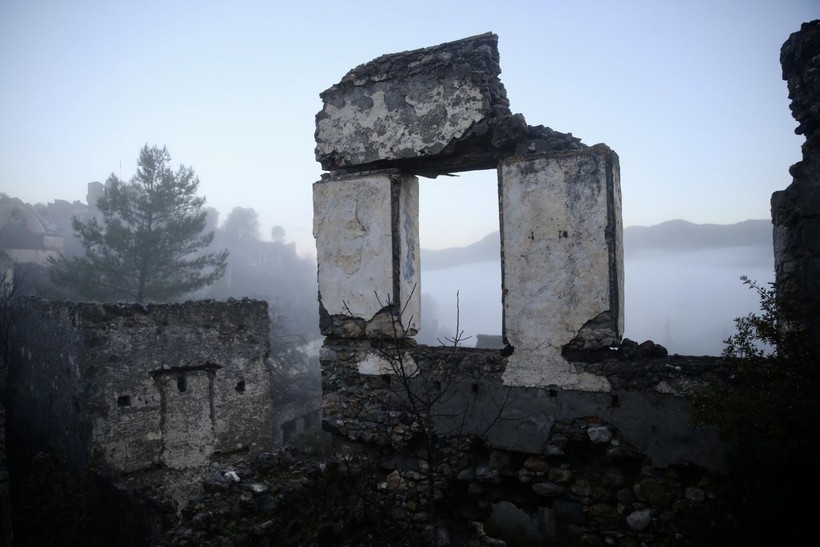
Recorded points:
240,386
182,384
123,400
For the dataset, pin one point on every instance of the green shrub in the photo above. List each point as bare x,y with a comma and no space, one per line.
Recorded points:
767,415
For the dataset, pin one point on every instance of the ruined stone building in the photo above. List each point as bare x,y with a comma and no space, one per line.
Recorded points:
443,110
30,234
565,381
132,388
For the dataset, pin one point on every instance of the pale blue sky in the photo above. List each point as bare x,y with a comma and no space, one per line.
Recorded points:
689,94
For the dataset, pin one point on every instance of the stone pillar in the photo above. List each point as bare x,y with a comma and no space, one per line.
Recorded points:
796,210
562,260
366,231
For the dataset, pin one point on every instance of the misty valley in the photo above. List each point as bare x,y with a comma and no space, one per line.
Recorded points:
682,285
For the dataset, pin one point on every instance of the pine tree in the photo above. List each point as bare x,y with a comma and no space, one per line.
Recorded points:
147,243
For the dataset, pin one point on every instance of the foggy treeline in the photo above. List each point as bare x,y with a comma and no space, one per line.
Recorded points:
266,269
260,267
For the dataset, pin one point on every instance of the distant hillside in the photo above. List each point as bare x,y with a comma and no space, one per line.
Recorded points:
485,250
671,236
681,235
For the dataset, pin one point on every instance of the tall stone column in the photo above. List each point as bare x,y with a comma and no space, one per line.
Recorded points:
562,261
366,230
796,210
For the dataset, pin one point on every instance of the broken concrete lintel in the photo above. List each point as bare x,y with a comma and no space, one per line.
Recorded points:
428,112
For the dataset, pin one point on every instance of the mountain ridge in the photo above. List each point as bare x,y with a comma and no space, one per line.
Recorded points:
670,236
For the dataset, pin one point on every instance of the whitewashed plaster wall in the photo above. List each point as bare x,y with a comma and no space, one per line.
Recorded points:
366,231
562,262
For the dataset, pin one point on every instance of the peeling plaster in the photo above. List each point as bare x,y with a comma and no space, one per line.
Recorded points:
375,364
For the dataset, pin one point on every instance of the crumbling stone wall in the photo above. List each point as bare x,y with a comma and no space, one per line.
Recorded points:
131,387
796,210
622,463
644,400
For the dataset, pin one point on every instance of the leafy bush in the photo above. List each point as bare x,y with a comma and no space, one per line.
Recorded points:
766,414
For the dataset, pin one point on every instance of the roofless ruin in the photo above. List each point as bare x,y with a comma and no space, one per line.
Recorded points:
441,110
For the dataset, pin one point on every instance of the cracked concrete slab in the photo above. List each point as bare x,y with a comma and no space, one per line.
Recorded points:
431,110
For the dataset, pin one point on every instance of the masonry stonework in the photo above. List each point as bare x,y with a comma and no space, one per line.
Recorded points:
559,424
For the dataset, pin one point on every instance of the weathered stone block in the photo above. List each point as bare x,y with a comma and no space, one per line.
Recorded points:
561,238
434,103
366,231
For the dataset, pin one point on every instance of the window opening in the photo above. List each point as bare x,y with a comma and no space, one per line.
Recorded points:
460,258
182,384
